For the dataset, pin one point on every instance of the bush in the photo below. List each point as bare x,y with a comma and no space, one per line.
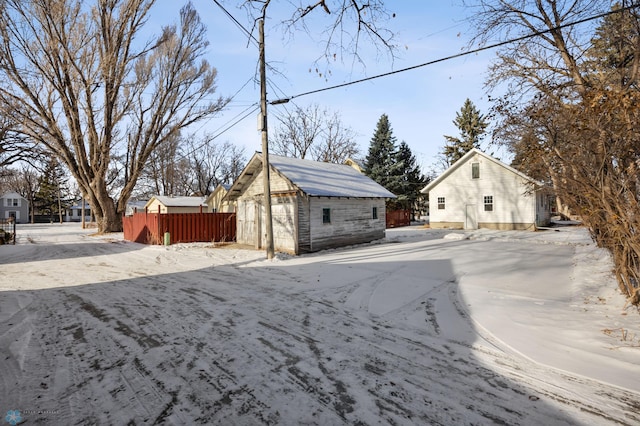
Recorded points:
5,237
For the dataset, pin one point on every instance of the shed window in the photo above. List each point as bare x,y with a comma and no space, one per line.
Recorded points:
475,170
488,203
326,215
440,203
374,213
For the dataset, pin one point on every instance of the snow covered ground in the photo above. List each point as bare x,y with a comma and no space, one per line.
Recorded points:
424,327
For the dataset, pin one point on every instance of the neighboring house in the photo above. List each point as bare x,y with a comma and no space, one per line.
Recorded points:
352,163
314,205
135,206
217,203
167,204
479,191
74,213
15,206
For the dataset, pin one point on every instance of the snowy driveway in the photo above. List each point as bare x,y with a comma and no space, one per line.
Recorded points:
421,330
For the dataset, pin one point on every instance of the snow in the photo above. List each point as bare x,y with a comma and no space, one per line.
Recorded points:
424,327
320,179
179,201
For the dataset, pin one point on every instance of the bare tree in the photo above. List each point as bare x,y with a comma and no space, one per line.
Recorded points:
351,24
337,143
165,171
548,62
316,134
80,84
190,166
297,132
26,183
15,147
577,122
211,164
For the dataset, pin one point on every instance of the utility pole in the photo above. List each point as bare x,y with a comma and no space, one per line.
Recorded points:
265,145
59,203
82,211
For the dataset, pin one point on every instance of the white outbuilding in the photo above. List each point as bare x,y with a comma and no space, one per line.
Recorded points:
314,205
479,191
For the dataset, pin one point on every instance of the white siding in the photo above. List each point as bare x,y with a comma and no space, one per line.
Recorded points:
297,220
13,204
251,231
154,204
283,214
512,202
246,222
12,213
216,205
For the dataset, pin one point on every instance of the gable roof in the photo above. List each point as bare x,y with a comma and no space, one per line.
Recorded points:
314,178
178,201
223,187
466,158
353,163
12,194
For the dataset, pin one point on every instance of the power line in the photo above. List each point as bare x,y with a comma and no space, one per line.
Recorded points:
238,24
458,55
249,34
222,130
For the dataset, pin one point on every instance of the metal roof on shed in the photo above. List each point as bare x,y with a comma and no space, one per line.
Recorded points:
317,179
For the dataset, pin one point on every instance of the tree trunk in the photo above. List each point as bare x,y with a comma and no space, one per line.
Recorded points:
107,216
111,222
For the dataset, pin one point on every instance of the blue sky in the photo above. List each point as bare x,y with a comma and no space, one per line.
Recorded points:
421,103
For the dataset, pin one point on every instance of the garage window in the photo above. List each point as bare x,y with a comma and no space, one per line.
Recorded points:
475,170
488,203
326,215
440,203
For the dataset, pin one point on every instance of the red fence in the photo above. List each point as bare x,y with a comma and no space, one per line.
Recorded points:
398,218
149,228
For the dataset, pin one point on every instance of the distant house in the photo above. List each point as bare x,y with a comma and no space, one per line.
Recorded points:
167,204
314,205
216,202
352,163
74,213
479,191
134,206
13,205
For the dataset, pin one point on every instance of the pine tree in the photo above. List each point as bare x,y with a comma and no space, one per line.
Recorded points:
411,178
380,164
611,58
472,127
52,189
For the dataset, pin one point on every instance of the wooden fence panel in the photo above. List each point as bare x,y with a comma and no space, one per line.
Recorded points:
398,218
149,228
141,228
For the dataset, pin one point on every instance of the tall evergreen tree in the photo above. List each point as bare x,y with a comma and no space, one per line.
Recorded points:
52,189
380,164
472,125
612,60
411,178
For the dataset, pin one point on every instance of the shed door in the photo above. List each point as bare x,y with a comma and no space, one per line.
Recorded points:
470,221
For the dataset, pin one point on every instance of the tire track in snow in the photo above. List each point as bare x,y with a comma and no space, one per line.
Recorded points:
231,348
457,370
